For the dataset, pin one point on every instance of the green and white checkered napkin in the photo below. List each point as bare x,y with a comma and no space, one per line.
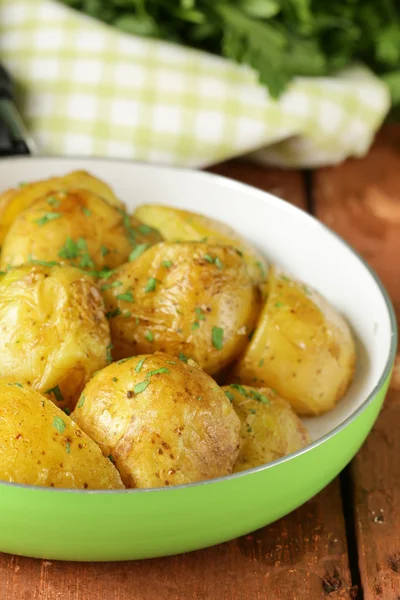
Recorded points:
87,89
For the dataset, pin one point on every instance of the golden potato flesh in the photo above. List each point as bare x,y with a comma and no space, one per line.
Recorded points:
270,428
15,200
53,330
76,227
175,224
163,422
41,445
192,300
301,347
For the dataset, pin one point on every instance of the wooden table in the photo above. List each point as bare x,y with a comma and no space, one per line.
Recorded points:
345,543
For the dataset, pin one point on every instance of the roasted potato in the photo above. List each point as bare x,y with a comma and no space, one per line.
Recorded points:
175,224
41,445
270,428
15,200
191,300
302,347
163,422
77,227
53,330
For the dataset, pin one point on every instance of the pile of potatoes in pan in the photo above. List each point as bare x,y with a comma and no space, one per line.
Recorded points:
151,349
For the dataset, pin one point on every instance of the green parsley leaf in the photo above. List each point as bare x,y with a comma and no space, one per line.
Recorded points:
81,401
285,278
53,201
208,258
107,286
138,251
122,360
114,313
218,263
110,458
195,325
108,353
218,337
151,285
182,357
86,261
68,447
16,384
167,264
139,366
104,251
260,397
145,229
67,410
199,397
127,314
47,217
126,297
170,362
306,290
229,395
140,387
249,429
59,424
149,336
86,211
69,250
262,269
200,314
279,304
114,379
56,393
158,372
260,364
240,389
252,411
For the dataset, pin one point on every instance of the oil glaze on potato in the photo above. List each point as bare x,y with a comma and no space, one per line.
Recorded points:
191,299
53,330
175,224
75,227
16,200
270,428
301,347
163,422
41,445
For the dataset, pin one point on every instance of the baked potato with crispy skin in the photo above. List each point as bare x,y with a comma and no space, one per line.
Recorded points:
77,227
41,445
162,421
15,200
270,428
302,347
176,224
53,330
192,300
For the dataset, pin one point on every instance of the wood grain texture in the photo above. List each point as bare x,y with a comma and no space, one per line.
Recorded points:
301,557
361,201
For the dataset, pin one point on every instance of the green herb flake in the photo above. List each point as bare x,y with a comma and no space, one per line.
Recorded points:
218,337
250,336
108,353
138,251
59,424
137,320
53,201
219,263
200,314
22,184
279,304
127,314
262,269
104,251
68,447
56,393
208,258
260,364
229,395
285,278
81,401
145,229
139,366
158,371
182,357
151,285
86,261
69,250
252,411
199,397
249,430
114,313
170,362
140,387
259,397
306,290
195,325
149,336
86,211
239,252
110,458
122,360
17,384
126,297
115,379
47,217
107,286
167,264
240,389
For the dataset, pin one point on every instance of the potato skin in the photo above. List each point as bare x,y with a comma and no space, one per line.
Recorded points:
270,428
301,347
191,297
53,330
15,200
42,232
175,224
41,445
179,428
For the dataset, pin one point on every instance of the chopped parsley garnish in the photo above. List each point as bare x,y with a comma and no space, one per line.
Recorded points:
306,290
104,251
128,227
182,357
218,262
170,362
110,458
81,401
199,397
107,286
114,313
214,260
279,304
114,379
260,397
249,429
138,251
195,325
69,250
262,269
140,387
104,274
68,447
200,314
126,297
218,337
108,353
122,360
167,264
16,384
151,285
252,411
250,336
240,389
145,229
127,314
139,366
239,252
229,395
67,410
158,371
86,211
56,393
149,336
47,217
86,261
285,278
59,424
208,258
260,364
53,201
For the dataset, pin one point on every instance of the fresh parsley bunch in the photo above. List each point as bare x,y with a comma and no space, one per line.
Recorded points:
278,38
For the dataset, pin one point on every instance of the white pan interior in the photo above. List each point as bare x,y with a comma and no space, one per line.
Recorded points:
284,234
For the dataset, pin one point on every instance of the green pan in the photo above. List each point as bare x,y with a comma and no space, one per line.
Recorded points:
133,524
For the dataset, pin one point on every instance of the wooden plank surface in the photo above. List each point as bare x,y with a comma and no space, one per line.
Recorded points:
361,201
301,557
